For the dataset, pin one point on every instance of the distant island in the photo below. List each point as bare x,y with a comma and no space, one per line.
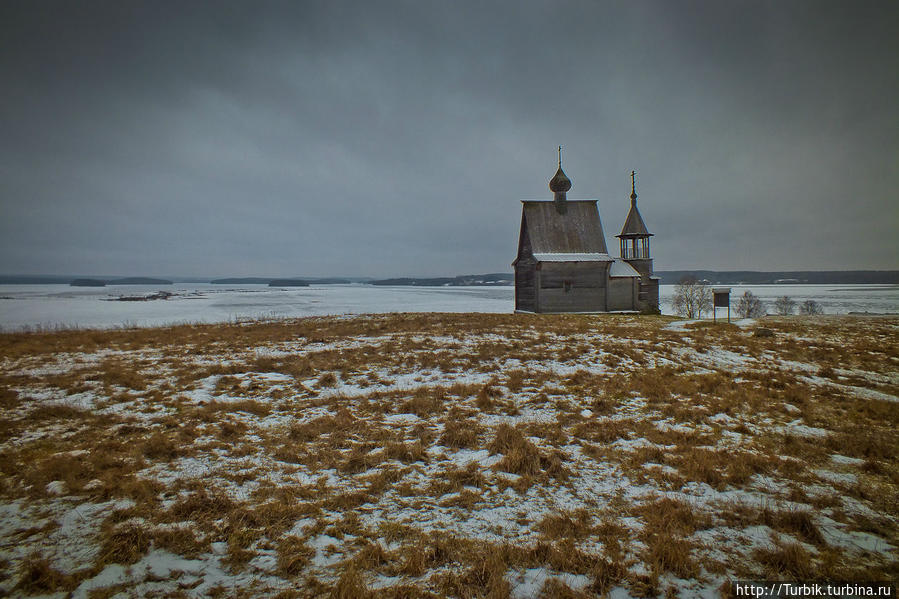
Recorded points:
84,282
288,283
139,281
491,279
87,283
280,282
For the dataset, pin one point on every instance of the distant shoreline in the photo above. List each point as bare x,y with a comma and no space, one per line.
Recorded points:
668,277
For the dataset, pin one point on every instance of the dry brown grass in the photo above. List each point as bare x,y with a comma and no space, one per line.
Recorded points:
180,541
293,556
522,457
350,585
655,421
160,446
603,431
484,577
425,402
201,505
119,372
8,397
801,522
785,561
124,544
38,577
573,525
460,433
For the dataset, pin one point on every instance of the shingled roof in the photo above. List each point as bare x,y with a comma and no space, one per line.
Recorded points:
634,225
576,232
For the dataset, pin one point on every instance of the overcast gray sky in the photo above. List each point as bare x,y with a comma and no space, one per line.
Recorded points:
391,138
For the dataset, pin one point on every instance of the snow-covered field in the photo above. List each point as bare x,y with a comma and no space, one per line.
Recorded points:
457,455
53,306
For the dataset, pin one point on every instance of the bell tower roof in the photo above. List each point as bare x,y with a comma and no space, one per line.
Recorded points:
633,224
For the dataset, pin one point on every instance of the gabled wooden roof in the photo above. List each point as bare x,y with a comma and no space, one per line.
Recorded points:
576,231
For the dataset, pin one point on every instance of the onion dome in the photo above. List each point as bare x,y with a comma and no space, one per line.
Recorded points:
560,182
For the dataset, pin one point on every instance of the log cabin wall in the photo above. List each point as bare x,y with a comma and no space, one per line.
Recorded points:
572,287
526,286
623,293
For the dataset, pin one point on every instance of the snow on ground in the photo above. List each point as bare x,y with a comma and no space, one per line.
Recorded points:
453,454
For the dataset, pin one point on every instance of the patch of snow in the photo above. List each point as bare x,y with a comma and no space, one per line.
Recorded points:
801,430
853,539
679,325
56,487
841,459
401,418
77,526
844,478
722,418
861,392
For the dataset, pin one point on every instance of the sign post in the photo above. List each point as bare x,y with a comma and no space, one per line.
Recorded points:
721,299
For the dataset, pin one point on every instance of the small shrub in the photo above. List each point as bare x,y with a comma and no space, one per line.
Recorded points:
750,306
810,308
785,305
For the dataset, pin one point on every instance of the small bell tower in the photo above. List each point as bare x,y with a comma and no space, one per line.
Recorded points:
634,237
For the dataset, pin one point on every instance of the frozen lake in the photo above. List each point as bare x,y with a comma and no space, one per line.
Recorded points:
53,306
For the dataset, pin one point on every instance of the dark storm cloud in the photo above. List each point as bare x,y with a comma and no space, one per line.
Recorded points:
396,138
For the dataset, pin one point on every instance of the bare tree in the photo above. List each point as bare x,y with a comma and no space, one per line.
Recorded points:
810,307
691,297
750,306
784,305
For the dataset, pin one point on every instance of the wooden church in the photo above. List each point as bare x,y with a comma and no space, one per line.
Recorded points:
563,264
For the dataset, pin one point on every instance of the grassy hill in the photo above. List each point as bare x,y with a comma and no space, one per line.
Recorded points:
415,455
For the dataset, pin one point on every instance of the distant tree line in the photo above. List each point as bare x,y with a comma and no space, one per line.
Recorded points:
804,277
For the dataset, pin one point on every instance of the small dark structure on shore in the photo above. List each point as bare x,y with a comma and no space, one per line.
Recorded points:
563,264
